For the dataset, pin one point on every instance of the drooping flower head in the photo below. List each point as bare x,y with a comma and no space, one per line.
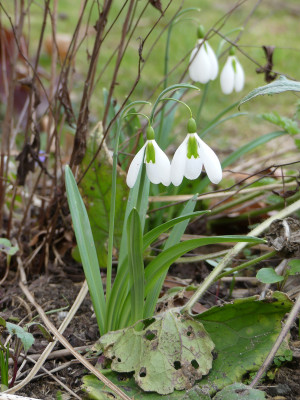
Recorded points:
191,156
157,163
203,61
232,76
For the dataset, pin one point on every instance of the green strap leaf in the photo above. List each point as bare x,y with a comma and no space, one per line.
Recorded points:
173,239
149,237
280,85
86,247
136,265
158,267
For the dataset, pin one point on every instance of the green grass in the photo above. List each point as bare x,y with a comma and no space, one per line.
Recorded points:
269,25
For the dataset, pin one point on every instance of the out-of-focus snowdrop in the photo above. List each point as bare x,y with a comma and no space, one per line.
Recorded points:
232,76
204,65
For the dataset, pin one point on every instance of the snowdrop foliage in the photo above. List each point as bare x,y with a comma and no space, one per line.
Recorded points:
191,156
232,76
157,163
203,61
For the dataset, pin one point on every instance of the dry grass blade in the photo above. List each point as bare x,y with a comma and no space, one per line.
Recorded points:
186,197
80,297
67,345
4,396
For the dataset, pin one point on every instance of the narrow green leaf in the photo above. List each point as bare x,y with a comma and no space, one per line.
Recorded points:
86,247
173,239
136,265
242,151
219,122
268,275
251,146
120,287
280,85
152,235
160,265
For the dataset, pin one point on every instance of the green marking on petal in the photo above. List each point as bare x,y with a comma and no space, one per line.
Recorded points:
234,64
150,153
192,147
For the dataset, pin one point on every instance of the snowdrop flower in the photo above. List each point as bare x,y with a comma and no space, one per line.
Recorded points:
203,61
191,156
157,163
232,76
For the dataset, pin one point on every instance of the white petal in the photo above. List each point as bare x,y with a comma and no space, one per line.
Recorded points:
214,65
239,77
135,166
159,172
200,66
227,77
178,163
193,168
210,161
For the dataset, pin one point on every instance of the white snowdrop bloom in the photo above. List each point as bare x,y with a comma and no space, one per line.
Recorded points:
158,166
204,65
191,156
232,76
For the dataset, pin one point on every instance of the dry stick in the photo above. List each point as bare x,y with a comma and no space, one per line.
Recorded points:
291,318
186,197
4,396
67,345
80,297
79,146
50,373
118,61
234,251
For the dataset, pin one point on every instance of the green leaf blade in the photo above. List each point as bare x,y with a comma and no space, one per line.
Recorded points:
136,265
86,245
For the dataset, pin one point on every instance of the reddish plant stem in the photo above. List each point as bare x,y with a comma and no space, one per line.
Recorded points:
79,146
7,123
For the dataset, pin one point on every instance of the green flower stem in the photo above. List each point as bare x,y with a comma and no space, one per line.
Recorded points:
234,251
113,200
247,264
141,188
169,89
179,101
202,101
167,52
